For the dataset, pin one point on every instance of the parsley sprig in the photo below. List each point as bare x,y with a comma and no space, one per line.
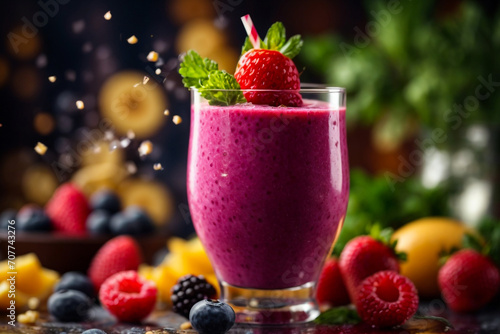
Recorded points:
204,74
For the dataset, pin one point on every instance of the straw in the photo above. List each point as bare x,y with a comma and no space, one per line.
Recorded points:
251,31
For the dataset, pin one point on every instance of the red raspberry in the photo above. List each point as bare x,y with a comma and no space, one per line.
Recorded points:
269,69
468,281
331,289
118,254
386,299
68,209
128,297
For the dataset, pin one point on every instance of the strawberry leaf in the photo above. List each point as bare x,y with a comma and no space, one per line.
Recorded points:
204,74
338,316
471,241
275,37
276,40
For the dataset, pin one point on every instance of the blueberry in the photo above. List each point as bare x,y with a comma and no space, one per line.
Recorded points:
98,222
94,331
69,305
32,218
106,200
211,317
132,221
5,216
73,280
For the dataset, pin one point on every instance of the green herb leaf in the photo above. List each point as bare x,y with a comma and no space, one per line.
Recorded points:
275,37
338,316
222,80
204,74
292,47
195,70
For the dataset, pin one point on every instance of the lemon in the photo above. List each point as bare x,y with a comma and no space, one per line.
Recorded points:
423,240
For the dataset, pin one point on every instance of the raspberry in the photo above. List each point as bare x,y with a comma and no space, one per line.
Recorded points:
386,299
127,296
188,291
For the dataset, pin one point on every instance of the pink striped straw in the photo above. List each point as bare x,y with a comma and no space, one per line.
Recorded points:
251,31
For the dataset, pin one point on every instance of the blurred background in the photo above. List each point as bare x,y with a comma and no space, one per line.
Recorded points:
423,82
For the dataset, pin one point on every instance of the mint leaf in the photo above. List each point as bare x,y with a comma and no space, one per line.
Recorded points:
195,70
222,80
275,37
204,74
292,47
338,316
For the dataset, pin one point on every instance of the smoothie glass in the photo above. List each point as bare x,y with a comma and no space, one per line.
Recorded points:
268,190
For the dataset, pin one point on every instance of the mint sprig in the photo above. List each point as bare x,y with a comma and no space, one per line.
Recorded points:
204,74
276,40
338,316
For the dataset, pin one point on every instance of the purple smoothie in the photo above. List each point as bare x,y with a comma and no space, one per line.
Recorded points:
268,190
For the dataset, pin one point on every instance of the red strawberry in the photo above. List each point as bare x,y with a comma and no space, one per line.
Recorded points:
118,254
331,289
68,209
468,281
127,296
363,256
269,69
386,299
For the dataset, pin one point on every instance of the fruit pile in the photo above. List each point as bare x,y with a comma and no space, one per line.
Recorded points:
384,283
69,211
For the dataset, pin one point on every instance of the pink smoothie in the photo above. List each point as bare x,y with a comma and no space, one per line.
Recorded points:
268,190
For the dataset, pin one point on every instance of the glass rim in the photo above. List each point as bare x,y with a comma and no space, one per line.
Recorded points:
304,88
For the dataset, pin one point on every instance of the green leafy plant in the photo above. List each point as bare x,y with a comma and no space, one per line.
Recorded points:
276,40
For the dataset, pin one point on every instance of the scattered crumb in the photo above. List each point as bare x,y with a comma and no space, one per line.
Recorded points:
40,148
125,142
1,125
108,136
29,317
52,78
186,325
145,148
107,16
177,119
130,134
166,112
152,56
157,166
33,303
132,40
80,105
131,167
149,332
158,71
115,143
145,80
137,84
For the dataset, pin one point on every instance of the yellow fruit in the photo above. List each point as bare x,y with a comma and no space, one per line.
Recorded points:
31,279
131,105
152,196
20,298
165,279
423,240
101,154
200,35
39,183
99,176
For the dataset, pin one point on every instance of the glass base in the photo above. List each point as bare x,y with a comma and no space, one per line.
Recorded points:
271,307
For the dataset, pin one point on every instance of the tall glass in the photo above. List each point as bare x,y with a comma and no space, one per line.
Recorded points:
268,190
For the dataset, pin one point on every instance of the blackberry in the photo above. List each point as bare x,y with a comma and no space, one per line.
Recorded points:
188,291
